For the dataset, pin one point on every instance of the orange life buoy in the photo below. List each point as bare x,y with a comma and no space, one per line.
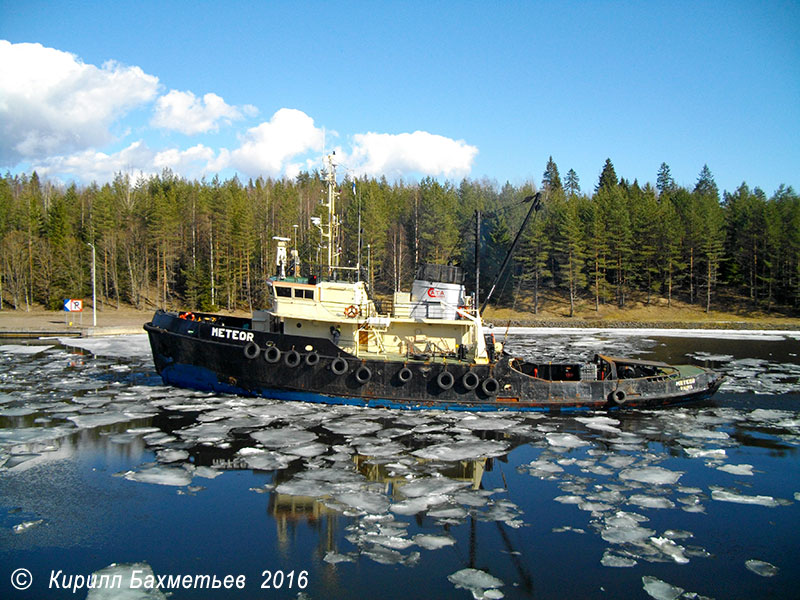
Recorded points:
351,311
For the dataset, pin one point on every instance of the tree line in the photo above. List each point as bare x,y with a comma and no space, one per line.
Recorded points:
164,241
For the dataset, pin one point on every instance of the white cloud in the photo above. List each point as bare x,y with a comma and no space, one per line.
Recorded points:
52,103
268,148
184,161
185,112
377,154
90,165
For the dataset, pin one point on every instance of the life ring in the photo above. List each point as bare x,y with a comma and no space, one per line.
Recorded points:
339,366
363,374
490,386
351,312
272,354
617,397
251,350
312,358
292,358
404,375
445,380
470,380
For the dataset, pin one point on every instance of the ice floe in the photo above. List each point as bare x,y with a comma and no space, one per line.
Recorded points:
161,475
760,567
654,475
478,582
737,469
129,590
660,590
728,496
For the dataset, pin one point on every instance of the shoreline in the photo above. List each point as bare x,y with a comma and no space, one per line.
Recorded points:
128,321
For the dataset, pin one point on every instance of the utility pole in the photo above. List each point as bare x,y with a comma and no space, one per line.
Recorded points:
94,288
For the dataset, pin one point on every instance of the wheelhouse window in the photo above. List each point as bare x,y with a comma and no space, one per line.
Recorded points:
283,292
304,293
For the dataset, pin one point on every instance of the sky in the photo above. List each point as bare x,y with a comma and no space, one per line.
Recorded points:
404,90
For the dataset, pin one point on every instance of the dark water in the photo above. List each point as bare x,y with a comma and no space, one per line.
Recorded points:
102,465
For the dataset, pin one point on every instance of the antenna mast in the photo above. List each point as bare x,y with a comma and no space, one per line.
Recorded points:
331,230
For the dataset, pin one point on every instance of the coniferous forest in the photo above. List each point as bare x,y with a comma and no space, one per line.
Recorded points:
164,241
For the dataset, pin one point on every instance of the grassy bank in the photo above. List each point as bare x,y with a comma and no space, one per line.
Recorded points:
728,314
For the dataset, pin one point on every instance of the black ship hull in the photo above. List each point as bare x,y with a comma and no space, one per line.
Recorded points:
229,357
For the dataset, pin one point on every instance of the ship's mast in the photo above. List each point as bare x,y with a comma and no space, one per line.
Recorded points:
331,230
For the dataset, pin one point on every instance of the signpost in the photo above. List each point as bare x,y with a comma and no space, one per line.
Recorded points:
72,305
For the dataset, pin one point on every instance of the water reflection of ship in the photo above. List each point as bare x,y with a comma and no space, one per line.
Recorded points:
287,510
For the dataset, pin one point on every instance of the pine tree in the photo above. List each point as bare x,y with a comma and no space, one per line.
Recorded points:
664,181
572,185
608,177
551,180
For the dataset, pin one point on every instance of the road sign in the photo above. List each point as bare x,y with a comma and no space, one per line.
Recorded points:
72,305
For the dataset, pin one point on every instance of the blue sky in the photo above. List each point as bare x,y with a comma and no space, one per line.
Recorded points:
447,89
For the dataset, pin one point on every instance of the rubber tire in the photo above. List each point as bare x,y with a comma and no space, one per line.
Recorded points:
490,386
445,380
292,358
312,358
251,350
339,366
272,354
363,374
470,381
404,375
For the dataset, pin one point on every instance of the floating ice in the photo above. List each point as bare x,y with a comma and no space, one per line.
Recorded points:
614,560
543,468
23,349
161,475
727,496
737,469
27,525
308,450
660,590
600,423
433,542
476,581
717,453
624,529
19,411
334,558
759,567
283,438
170,455
448,512
352,426
488,423
364,501
569,499
430,486
122,346
413,506
670,548
462,450
90,421
654,475
650,501
207,472
388,541
565,440
698,432
124,573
